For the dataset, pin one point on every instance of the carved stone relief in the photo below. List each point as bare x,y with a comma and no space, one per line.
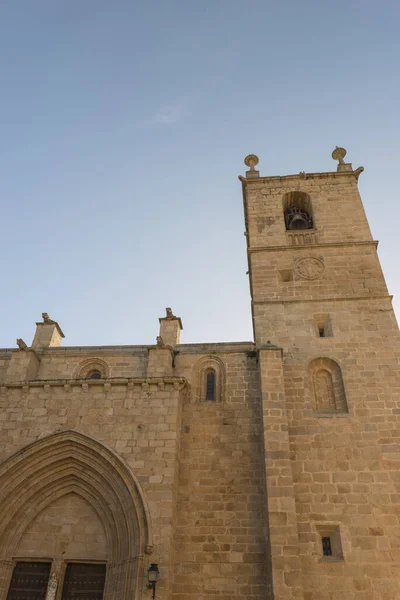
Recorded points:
52,587
309,268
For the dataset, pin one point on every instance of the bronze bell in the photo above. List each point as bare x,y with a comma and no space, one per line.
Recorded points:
298,222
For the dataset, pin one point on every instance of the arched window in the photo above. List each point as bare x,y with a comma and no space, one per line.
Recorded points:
92,368
210,385
210,379
297,211
327,387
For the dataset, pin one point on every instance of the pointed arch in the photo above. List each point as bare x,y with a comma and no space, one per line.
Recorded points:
68,461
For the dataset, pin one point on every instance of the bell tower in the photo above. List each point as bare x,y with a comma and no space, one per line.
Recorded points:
313,267
329,356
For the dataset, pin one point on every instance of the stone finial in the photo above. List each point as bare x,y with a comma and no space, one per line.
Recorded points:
47,320
21,344
170,314
251,161
339,154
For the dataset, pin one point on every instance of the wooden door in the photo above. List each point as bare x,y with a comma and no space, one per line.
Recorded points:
84,581
29,581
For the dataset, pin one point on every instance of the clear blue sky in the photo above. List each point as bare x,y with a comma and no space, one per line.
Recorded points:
124,126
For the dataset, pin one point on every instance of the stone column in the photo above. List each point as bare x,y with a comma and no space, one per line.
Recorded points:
6,570
56,575
286,570
52,587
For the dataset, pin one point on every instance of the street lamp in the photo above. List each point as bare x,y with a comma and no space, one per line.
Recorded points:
152,574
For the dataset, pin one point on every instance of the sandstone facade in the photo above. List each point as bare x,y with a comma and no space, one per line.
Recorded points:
244,470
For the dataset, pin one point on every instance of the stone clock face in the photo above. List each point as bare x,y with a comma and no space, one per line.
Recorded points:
309,268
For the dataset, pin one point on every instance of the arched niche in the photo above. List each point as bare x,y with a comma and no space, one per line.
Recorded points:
326,386
65,463
297,211
210,369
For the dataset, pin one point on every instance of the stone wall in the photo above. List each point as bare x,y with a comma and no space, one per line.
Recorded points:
222,550
338,213
137,419
324,301
199,464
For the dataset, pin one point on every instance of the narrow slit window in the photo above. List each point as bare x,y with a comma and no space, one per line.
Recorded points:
326,546
210,386
331,544
323,325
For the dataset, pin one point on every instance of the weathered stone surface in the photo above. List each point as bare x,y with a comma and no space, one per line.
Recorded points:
115,454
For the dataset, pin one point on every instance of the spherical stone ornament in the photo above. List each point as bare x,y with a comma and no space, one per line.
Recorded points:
251,161
309,268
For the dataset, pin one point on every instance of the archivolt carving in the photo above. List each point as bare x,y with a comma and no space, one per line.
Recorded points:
65,462
204,366
90,365
326,386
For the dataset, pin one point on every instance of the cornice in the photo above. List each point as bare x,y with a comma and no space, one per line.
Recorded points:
92,351
161,382
214,347
317,300
302,176
321,245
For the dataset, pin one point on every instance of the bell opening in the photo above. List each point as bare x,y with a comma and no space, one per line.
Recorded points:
298,222
297,211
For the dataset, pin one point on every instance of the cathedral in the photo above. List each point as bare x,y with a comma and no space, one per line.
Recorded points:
263,470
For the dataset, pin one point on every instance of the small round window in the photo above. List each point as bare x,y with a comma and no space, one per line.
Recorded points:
93,368
94,375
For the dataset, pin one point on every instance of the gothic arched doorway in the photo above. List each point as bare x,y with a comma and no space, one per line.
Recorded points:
69,500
